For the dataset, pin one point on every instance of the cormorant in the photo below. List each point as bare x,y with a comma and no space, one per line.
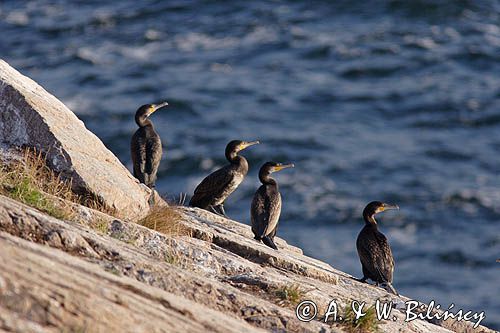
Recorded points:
146,145
373,249
216,187
266,205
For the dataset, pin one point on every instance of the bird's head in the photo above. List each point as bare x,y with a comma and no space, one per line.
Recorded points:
146,110
270,167
235,146
374,208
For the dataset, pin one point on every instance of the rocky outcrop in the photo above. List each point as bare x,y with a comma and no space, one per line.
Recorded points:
219,268
99,273
45,290
32,117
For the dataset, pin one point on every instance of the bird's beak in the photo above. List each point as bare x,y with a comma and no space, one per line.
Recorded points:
156,107
386,206
283,166
245,145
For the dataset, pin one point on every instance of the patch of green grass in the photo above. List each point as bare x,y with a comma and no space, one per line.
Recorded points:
291,294
366,324
31,181
172,259
27,193
101,226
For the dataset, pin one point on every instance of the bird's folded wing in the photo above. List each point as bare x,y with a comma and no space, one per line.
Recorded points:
273,209
153,162
213,183
257,213
138,149
376,257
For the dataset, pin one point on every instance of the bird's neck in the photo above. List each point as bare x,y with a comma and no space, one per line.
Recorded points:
143,122
370,220
238,163
266,179
236,159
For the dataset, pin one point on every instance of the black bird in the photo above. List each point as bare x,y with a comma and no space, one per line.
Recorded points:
266,205
146,146
216,187
373,249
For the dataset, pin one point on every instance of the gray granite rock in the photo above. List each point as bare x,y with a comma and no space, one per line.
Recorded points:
220,269
32,117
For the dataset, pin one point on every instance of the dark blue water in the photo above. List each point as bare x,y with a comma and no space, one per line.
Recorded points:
381,100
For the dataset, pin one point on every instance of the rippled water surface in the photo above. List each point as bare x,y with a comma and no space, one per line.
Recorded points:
389,100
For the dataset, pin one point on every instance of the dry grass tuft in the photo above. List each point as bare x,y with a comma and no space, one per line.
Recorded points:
366,324
166,220
289,294
32,182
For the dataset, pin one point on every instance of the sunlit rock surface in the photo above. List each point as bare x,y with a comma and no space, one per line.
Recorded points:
124,277
32,117
98,273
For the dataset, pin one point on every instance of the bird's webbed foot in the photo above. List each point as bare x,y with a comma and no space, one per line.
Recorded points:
218,209
221,209
389,288
213,209
269,242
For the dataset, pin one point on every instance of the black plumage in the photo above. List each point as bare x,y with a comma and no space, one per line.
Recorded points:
145,146
373,249
211,193
266,205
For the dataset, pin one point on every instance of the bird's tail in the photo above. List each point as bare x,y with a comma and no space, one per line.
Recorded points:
269,242
388,286
194,201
